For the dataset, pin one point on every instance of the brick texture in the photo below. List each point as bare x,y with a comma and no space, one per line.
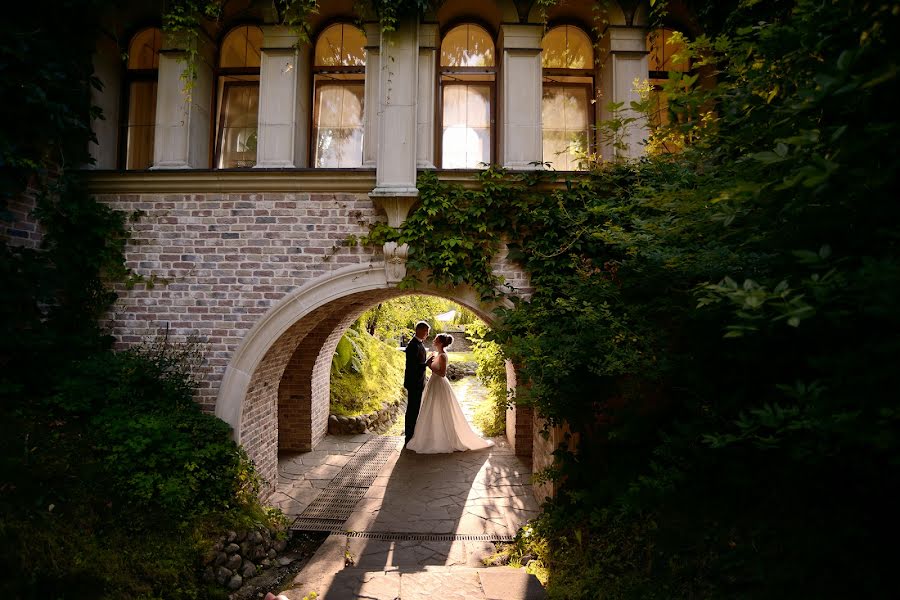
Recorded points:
222,261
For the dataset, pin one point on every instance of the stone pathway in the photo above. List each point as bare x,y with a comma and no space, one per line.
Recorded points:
420,530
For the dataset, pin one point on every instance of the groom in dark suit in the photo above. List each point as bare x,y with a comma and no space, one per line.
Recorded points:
414,376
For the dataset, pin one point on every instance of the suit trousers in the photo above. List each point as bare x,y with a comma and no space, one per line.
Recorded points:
413,404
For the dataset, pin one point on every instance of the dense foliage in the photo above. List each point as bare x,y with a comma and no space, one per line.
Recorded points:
366,373
717,327
112,482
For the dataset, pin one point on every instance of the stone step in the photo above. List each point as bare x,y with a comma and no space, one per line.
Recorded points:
427,583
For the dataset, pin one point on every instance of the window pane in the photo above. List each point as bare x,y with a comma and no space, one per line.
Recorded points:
565,115
466,138
567,47
341,45
662,47
467,46
143,51
337,124
241,48
141,125
240,112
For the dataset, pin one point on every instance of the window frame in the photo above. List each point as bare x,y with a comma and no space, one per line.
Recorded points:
442,71
129,77
221,128
592,86
315,70
653,77
218,99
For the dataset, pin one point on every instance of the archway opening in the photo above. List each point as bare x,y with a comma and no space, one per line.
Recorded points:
367,368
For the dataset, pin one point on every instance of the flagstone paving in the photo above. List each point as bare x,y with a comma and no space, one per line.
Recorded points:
447,501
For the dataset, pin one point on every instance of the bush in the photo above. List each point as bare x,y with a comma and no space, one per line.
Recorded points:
124,483
490,414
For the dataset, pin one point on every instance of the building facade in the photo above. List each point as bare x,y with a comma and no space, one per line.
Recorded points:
252,155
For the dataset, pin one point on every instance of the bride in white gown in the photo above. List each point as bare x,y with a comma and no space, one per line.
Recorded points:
442,426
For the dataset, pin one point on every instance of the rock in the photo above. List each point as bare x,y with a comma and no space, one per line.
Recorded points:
246,548
254,537
235,582
332,419
209,574
284,561
241,536
231,536
271,553
221,557
218,546
266,563
259,552
223,575
234,562
248,570
280,545
232,548
526,558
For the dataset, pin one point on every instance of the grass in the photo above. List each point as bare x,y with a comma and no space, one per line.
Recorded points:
461,356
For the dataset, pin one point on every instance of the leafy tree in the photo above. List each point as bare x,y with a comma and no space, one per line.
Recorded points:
716,326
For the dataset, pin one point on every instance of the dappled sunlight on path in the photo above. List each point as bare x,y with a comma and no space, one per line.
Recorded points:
422,528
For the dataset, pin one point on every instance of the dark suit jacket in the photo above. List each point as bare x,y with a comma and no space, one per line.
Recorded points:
414,376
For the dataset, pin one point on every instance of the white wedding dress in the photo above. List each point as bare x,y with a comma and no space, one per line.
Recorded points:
442,426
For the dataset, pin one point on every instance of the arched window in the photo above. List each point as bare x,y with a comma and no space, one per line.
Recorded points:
467,78
139,124
237,89
339,73
662,45
567,108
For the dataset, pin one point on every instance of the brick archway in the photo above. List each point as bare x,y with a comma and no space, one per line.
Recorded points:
302,331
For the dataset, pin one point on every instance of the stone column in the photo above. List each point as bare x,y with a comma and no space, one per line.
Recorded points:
625,62
395,177
425,109
183,111
520,97
372,96
396,157
107,62
284,91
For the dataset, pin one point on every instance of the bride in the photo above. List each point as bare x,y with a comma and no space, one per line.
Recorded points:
441,426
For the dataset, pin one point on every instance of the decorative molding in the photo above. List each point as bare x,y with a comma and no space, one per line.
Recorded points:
396,203
395,261
193,181
203,181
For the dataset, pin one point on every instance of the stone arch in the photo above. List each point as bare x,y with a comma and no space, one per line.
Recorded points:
304,327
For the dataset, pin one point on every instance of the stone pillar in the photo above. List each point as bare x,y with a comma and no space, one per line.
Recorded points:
284,91
425,109
107,62
396,157
395,176
183,111
625,62
520,97
372,95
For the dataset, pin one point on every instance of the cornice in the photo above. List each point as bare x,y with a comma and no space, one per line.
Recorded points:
190,181
194,181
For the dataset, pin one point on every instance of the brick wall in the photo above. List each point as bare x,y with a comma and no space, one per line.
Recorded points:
227,260
17,227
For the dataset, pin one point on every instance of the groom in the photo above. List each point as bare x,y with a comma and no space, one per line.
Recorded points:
414,376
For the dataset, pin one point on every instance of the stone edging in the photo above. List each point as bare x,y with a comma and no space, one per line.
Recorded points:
377,422
238,556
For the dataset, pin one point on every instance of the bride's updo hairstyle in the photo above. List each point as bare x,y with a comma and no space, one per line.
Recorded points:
445,338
